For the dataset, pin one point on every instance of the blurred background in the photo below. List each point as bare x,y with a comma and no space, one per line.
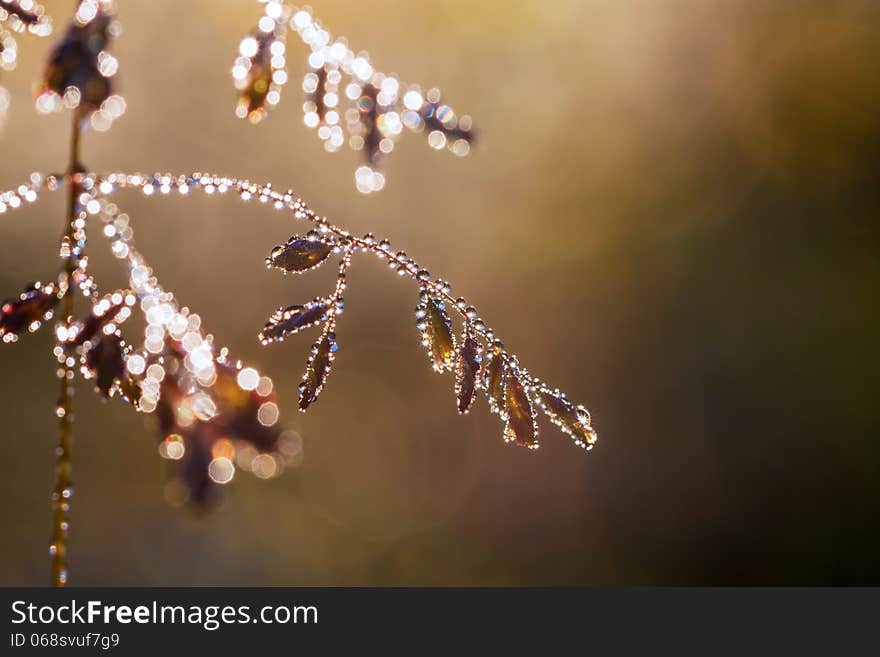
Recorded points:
672,215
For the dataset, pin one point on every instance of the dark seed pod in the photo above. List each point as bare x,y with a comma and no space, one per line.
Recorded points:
27,312
521,426
299,254
293,319
317,369
494,379
368,112
436,329
105,361
316,97
259,79
20,16
259,70
80,62
467,372
571,419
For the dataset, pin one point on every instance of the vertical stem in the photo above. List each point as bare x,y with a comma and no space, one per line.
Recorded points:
63,480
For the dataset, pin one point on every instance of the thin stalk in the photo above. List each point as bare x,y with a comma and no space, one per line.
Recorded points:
63,468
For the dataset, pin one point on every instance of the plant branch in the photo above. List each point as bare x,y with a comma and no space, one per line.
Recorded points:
516,407
63,476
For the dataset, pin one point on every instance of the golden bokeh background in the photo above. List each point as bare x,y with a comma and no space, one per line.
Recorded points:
671,214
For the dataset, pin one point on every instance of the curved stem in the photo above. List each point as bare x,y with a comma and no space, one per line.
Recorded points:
63,489
574,420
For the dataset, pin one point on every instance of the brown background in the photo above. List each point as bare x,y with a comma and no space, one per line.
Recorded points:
672,215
